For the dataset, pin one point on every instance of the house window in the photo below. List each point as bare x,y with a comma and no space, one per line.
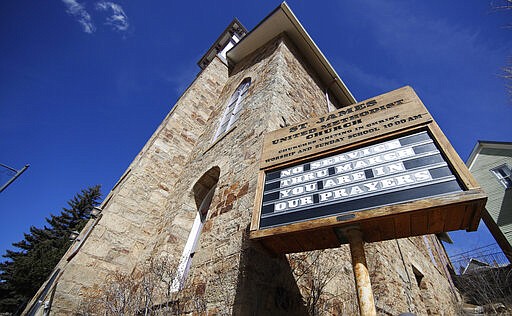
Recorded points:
233,108
504,175
203,194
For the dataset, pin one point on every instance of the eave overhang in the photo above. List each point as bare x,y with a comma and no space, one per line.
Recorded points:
282,20
481,144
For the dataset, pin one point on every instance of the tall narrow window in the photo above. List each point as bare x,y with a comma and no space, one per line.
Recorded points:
203,194
233,108
504,175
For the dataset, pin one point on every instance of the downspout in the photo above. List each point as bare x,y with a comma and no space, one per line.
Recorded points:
329,108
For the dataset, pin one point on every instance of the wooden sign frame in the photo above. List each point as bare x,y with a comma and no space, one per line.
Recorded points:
461,210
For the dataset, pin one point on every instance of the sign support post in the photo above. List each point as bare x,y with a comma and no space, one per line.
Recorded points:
361,275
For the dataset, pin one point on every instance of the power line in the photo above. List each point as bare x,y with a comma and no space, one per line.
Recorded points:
473,250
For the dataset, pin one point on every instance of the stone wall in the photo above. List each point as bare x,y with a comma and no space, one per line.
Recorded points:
224,246
407,276
132,212
151,211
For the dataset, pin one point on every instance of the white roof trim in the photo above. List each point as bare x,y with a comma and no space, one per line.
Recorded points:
282,20
481,144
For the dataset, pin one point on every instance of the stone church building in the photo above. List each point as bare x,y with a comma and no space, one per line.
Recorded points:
188,196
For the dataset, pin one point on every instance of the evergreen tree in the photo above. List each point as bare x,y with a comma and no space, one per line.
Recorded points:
40,251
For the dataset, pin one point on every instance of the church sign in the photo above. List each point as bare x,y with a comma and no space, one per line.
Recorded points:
382,164
405,168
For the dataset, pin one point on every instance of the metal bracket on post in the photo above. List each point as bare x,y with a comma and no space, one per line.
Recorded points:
361,275
18,173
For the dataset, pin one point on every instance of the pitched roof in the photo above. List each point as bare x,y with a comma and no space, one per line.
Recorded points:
282,20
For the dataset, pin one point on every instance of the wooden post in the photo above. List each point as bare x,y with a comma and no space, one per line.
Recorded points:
361,275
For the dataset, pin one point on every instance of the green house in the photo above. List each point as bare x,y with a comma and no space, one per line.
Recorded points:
491,164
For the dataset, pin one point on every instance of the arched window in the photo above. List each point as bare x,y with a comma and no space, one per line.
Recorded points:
203,194
233,108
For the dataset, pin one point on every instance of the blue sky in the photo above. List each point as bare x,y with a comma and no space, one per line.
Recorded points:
83,84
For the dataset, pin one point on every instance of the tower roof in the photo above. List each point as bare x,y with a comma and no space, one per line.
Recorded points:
234,28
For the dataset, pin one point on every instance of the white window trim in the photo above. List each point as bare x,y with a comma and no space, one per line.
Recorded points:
188,253
240,93
505,181
191,244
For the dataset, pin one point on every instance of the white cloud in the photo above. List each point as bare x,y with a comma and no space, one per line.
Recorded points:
78,11
118,19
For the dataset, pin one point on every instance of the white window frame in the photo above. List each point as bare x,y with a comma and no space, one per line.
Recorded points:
192,241
504,175
233,108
